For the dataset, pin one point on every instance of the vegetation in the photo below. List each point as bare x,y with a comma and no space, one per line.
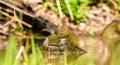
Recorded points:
28,32
74,9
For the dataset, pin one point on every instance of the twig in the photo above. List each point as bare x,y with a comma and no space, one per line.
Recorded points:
114,3
69,9
17,9
25,57
24,23
7,23
3,32
20,52
59,8
2,37
15,15
16,3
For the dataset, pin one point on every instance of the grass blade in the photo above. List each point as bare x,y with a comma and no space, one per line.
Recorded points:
11,50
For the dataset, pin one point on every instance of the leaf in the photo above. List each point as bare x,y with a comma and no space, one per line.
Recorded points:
85,1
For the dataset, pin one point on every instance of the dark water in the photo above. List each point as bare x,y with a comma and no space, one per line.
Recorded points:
61,58
67,58
96,55
54,58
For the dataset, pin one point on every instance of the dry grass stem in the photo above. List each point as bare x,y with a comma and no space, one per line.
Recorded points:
2,37
114,3
24,23
17,9
6,24
3,32
25,57
20,52
59,8
69,9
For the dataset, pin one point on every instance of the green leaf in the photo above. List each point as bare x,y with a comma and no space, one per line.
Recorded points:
117,1
85,1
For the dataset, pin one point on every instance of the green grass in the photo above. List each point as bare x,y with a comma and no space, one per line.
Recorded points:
36,56
10,54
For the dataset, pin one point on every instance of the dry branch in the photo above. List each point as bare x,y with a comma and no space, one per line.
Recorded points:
24,23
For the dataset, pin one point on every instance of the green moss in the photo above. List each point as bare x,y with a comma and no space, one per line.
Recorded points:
64,38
